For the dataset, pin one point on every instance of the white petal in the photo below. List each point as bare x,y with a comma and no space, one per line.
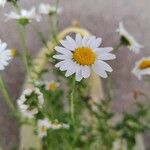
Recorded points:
78,39
86,71
1,67
68,64
73,43
70,72
103,49
78,75
90,41
106,56
64,67
62,50
68,45
94,43
4,62
104,65
61,57
100,71
85,40
3,46
59,64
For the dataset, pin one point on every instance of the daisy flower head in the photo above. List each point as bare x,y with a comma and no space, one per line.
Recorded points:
30,102
5,55
43,126
47,9
127,39
24,17
142,67
2,2
82,55
51,86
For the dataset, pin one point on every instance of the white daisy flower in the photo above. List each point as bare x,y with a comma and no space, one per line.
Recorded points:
56,125
5,55
47,9
43,126
127,39
51,86
2,2
142,67
24,17
82,55
30,102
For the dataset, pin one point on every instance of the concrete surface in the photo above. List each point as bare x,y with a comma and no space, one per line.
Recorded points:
101,17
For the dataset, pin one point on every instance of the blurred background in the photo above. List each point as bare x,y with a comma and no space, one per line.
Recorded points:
101,18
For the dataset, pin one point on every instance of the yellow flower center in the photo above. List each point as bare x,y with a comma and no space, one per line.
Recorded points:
84,56
52,86
144,64
43,129
13,52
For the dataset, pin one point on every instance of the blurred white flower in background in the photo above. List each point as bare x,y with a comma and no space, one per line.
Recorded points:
2,3
142,67
82,55
24,17
55,125
5,55
43,126
51,86
30,101
127,39
47,9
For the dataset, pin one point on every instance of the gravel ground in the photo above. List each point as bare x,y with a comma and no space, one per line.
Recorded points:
101,18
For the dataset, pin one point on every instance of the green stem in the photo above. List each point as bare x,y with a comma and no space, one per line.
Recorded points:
25,54
53,21
6,95
72,100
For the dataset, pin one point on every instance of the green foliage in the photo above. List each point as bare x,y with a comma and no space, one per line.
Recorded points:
133,124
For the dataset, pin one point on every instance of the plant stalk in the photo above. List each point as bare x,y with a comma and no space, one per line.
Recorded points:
72,95
6,95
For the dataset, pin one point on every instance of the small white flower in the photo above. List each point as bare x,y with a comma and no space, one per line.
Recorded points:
43,126
65,126
82,55
24,17
28,108
128,39
2,3
51,86
56,125
47,9
5,55
142,67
